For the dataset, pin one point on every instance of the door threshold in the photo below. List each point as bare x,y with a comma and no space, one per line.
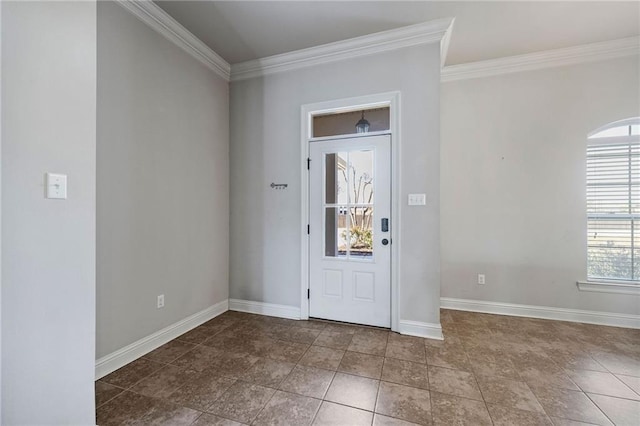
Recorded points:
327,321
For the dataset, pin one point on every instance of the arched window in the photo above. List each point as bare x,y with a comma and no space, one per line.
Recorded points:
613,202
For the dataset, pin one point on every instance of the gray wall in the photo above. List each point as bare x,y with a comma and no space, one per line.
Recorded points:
265,148
513,182
163,167
48,246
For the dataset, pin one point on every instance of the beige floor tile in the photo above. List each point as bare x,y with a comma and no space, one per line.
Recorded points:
200,358
404,402
373,344
632,382
105,392
405,339
601,383
332,339
361,364
257,346
312,324
549,376
321,357
128,407
132,408
354,391
619,363
233,364
301,335
380,420
165,413
454,382
557,421
170,351
492,364
197,335
308,381
164,381
331,414
448,357
344,328
287,351
453,410
271,331
132,373
506,416
623,412
509,393
211,420
267,372
242,402
568,404
203,391
406,350
575,360
405,373
288,409
221,367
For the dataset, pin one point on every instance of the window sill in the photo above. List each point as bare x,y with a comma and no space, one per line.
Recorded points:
618,287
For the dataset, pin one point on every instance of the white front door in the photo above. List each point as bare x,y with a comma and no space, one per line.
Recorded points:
350,230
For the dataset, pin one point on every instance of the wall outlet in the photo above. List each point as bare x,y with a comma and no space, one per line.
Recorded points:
481,279
161,301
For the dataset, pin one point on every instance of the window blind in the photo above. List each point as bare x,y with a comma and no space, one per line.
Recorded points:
613,208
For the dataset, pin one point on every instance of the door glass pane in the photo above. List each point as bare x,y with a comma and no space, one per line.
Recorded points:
336,232
349,183
361,232
336,178
360,173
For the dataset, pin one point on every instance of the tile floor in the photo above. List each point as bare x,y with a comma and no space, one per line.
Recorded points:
248,369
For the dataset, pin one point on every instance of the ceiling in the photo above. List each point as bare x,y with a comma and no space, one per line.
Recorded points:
244,30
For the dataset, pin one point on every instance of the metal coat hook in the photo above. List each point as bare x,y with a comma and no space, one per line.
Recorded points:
279,185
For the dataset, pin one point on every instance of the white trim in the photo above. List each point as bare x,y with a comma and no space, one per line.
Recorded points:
261,308
393,101
547,59
421,329
444,43
135,350
152,15
620,287
428,32
349,136
631,121
545,312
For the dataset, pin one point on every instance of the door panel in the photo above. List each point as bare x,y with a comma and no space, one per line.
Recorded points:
350,265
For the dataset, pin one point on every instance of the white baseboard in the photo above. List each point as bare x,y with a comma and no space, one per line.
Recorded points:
135,350
544,312
420,329
261,308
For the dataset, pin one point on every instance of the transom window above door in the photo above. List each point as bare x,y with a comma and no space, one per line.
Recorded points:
351,122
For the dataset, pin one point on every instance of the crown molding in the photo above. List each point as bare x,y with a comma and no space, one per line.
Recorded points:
152,15
548,59
436,31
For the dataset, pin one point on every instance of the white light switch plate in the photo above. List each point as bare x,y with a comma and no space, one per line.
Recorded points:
56,186
417,199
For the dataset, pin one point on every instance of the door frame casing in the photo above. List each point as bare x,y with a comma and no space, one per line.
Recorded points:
387,99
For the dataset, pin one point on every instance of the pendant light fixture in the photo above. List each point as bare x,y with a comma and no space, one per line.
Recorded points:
362,126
